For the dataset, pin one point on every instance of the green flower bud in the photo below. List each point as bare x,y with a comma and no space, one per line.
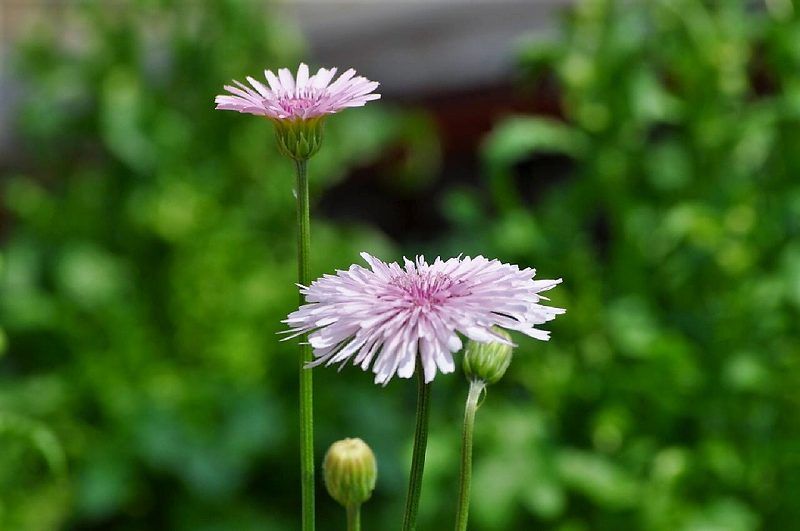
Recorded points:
487,362
299,139
350,472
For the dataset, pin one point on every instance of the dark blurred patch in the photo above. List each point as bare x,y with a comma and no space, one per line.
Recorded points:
462,121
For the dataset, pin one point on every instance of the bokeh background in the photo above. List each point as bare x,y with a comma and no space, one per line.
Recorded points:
648,152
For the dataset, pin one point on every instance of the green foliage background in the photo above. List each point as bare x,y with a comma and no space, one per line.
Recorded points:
150,259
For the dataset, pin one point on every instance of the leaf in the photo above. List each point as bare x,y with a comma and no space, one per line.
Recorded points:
522,136
598,478
39,437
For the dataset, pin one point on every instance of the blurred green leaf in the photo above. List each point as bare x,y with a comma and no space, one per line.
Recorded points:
523,136
597,478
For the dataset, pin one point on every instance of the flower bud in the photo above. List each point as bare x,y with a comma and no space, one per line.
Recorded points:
487,361
350,472
299,139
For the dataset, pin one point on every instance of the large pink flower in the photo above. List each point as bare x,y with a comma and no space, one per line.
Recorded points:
387,315
303,97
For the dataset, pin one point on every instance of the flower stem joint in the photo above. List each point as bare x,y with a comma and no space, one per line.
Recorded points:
488,362
299,139
350,472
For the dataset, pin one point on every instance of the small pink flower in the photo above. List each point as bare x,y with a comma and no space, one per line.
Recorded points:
385,316
301,98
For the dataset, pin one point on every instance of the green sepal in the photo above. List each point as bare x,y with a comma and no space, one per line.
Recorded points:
299,139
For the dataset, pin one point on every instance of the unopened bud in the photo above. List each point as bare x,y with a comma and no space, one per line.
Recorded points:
487,361
350,472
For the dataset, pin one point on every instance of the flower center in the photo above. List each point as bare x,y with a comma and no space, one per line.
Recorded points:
424,290
295,105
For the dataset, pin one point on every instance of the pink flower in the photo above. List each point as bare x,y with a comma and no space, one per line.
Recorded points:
387,315
301,98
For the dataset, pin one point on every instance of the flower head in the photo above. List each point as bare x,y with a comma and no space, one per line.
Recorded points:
298,105
388,315
298,98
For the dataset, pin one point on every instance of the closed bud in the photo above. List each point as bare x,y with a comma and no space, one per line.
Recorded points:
299,139
350,472
487,362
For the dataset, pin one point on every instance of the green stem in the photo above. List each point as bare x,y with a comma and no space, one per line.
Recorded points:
475,388
418,457
306,383
354,518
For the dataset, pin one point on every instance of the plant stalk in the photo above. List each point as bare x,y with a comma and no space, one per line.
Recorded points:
465,476
354,518
306,382
418,457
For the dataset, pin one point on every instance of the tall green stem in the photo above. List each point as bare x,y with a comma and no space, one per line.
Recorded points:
465,478
354,518
418,457
306,383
